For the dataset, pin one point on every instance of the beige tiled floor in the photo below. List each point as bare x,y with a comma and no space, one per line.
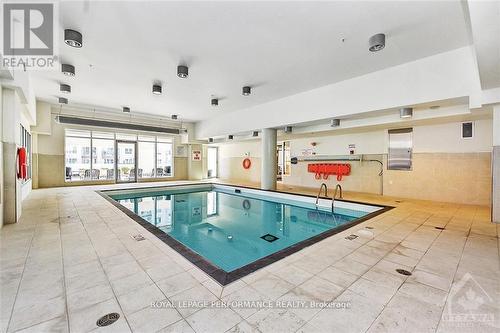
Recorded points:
71,259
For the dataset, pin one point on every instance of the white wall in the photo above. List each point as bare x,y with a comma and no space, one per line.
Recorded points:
428,142
444,76
373,142
446,138
426,139
238,149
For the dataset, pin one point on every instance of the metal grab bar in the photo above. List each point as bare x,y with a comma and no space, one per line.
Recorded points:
335,194
319,193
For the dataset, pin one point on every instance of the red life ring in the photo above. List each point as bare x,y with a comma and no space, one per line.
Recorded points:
247,163
22,167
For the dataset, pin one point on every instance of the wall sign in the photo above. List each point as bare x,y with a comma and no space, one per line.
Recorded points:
307,152
196,155
181,151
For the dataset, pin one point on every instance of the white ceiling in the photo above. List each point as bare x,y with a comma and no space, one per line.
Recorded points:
279,48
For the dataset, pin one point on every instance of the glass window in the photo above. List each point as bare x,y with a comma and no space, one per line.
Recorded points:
103,135
81,133
163,139
103,159
146,166
146,138
91,155
164,160
77,152
126,137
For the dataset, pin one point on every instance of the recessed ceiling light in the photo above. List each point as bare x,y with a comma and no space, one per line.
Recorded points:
214,102
246,90
63,100
126,109
73,38
406,112
288,129
255,133
182,71
156,89
376,42
230,137
65,88
335,123
174,117
68,69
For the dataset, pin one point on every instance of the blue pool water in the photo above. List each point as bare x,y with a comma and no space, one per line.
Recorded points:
229,230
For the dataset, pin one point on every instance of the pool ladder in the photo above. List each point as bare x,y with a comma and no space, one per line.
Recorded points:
337,187
319,193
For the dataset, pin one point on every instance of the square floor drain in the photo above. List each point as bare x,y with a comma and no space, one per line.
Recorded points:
269,238
138,237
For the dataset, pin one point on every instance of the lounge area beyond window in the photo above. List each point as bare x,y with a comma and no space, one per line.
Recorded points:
92,156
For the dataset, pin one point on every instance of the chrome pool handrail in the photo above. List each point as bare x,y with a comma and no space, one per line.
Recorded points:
335,194
319,193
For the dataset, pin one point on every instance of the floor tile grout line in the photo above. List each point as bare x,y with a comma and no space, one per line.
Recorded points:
185,271
430,246
65,291
405,279
455,275
104,271
154,282
22,275
359,277
453,212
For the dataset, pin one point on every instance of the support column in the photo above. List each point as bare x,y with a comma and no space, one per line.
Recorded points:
269,167
12,197
495,165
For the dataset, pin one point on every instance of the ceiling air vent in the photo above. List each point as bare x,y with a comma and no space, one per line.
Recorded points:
113,124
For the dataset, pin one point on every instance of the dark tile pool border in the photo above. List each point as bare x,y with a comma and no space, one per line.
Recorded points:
217,273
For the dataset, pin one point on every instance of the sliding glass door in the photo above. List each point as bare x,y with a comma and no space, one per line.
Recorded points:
126,166
212,162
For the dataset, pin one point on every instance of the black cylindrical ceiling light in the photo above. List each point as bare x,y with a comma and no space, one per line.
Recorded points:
406,112
68,69
246,90
182,71
376,42
126,109
73,38
210,140
288,129
65,88
214,102
335,123
174,117
255,134
230,137
63,100
156,89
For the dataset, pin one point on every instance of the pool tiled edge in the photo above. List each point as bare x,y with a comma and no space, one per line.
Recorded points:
220,275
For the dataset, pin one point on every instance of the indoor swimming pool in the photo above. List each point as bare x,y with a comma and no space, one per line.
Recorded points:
230,231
